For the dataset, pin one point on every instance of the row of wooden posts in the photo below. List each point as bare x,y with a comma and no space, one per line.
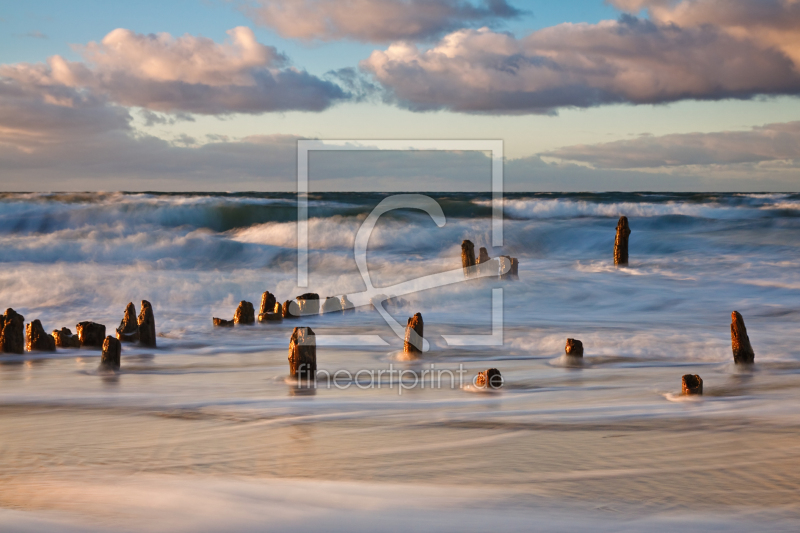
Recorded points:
141,330
302,344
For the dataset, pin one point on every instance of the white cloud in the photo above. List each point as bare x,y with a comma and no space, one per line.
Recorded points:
581,65
185,74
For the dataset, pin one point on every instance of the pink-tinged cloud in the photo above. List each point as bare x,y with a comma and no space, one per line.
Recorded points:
185,74
38,115
581,65
770,23
770,143
375,20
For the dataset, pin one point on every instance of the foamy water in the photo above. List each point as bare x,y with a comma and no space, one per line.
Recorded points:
205,433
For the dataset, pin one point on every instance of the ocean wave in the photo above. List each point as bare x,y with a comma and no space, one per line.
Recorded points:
533,208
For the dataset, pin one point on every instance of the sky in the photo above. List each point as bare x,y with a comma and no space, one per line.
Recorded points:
212,95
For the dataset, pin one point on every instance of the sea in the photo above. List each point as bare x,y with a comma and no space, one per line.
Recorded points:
208,432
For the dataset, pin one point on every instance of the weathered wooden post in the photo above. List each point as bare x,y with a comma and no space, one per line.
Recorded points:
267,303
509,267
483,261
347,305
276,315
12,332
290,309
743,353
413,339
65,339
621,242
574,348
309,303
222,323
37,339
112,349
468,258
691,384
128,330
147,325
489,379
332,304
245,313
303,353
91,334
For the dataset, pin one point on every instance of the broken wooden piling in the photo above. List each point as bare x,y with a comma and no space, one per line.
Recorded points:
742,350
303,353
413,339
621,242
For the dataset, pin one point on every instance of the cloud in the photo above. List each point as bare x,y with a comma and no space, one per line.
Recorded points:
770,23
35,113
185,74
375,20
581,65
770,143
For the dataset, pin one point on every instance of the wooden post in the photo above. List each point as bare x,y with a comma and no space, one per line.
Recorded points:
276,315
267,303
332,304
489,379
91,334
574,348
303,353
742,351
621,242
37,339
309,304
65,339
12,332
347,305
128,330
245,313
147,325
691,384
112,349
468,258
413,340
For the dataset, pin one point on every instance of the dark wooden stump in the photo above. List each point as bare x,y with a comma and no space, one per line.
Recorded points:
37,339
268,302
65,339
12,332
691,384
413,339
621,242
574,348
490,379
222,323
276,315
290,309
303,353
91,334
147,325
468,258
112,349
128,330
743,353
